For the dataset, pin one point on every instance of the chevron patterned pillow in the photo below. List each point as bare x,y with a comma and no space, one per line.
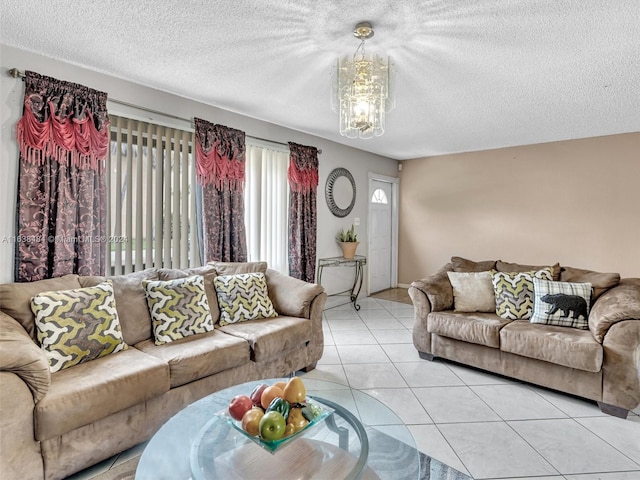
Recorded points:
514,292
75,326
178,308
243,297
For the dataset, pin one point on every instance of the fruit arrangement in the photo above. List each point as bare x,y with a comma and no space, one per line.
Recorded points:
274,412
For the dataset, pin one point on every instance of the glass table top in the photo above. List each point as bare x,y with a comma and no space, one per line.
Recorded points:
196,443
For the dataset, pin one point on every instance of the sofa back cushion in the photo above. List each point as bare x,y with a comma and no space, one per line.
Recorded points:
131,302
15,298
464,265
517,267
233,268
77,326
601,282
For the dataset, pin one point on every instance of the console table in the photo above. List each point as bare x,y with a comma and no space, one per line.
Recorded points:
357,262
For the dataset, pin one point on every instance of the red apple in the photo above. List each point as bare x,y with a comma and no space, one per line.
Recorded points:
256,395
239,405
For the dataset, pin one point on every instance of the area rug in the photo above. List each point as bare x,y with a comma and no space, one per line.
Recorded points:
392,461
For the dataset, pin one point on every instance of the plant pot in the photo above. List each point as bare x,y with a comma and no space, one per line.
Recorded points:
349,249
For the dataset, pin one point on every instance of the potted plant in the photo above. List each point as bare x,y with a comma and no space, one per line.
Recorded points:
348,241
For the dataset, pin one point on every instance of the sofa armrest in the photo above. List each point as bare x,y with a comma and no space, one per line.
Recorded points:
622,302
438,289
290,296
621,365
20,355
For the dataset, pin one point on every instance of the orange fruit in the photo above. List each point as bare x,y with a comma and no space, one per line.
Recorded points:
269,394
280,384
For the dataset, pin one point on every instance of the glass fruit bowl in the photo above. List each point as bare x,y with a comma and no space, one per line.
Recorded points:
274,445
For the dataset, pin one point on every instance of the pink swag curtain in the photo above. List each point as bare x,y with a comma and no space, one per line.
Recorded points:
63,137
303,182
220,166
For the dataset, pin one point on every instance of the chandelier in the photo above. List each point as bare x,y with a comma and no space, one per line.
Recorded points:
361,89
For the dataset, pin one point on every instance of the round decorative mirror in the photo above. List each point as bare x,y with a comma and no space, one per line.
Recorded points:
340,192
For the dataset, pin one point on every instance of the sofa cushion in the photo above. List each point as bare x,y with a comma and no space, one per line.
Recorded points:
269,337
90,391
15,298
198,356
601,282
233,268
77,326
472,292
517,267
514,292
131,301
178,308
289,295
243,297
480,328
208,273
569,347
463,265
564,304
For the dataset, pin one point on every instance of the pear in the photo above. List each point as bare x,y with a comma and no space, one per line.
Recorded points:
295,391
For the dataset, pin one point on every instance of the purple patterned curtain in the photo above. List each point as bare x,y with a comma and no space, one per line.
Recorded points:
220,155
61,207
303,181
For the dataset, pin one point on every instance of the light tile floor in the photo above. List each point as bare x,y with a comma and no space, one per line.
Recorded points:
484,425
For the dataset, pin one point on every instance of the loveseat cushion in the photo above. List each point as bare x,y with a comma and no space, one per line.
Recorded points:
601,282
90,391
480,328
198,356
15,298
233,268
465,265
518,267
269,337
569,347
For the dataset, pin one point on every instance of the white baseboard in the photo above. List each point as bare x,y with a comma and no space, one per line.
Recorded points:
403,285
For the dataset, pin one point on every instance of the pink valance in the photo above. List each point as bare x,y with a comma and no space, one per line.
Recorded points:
65,121
220,155
303,168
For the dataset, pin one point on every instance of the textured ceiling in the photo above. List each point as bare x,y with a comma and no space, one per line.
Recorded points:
469,75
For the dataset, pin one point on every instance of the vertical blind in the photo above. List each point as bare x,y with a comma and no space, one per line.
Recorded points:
266,203
151,197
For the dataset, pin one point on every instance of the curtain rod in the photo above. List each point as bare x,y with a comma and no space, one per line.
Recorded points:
15,73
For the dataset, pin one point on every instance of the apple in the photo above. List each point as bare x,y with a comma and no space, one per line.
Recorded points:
272,426
239,405
257,393
251,421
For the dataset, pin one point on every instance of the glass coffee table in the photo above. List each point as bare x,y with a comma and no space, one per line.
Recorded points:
200,445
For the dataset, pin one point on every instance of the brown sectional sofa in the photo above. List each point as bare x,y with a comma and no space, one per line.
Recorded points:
55,424
601,363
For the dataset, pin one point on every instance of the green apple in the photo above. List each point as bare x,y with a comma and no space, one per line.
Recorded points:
272,426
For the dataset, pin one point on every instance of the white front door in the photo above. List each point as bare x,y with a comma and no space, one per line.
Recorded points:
380,236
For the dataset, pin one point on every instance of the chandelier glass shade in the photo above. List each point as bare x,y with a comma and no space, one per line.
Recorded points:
361,90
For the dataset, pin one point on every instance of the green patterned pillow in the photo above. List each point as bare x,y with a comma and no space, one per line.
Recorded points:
514,292
178,308
243,297
76,326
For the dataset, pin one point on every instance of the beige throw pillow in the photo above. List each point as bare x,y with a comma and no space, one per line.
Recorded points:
472,292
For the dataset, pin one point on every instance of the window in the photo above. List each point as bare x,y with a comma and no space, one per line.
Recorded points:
379,196
151,197
266,205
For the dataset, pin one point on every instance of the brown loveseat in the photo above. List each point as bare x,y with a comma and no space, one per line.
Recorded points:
600,362
55,424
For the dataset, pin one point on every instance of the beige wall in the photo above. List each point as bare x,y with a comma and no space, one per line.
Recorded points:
359,162
575,202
